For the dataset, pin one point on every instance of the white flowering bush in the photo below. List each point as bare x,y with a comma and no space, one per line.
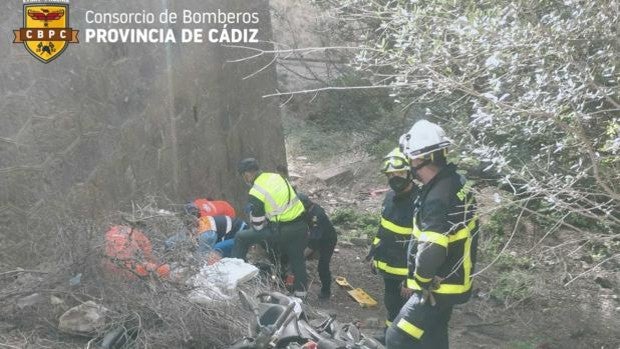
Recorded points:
528,88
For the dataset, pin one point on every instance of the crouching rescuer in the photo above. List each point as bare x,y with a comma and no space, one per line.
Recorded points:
445,229
388,253
276,216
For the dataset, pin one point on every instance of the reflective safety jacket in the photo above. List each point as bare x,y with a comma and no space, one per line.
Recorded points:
446,234
226,227
396,227
273,198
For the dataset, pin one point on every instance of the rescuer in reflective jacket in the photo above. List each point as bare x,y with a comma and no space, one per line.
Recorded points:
388,253
445,233
277,215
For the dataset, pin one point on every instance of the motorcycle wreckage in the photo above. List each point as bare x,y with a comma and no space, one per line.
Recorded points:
280,322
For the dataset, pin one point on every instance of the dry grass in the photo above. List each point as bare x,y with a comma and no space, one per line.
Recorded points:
156,312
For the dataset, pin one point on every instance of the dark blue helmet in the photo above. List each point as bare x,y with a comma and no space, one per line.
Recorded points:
247,165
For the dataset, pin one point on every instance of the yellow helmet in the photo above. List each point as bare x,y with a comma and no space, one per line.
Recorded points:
395,161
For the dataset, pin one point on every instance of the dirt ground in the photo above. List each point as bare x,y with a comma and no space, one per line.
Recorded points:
584,314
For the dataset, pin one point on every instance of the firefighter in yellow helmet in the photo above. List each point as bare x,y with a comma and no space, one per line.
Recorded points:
445,229
388,254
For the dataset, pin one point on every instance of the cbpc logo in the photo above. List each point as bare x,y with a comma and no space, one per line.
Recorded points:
46,32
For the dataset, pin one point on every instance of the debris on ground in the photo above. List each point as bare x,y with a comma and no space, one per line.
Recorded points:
29,301
86,318
218,281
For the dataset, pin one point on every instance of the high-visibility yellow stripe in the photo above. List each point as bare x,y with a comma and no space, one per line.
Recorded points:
409,328
388,323
376,241
453,288
389,269
395,228
464,233
412,284
423,279
431,236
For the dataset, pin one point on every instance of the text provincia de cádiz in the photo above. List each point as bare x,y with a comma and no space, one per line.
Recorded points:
160,35
167,35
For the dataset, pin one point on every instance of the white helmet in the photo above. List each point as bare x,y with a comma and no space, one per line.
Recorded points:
423,139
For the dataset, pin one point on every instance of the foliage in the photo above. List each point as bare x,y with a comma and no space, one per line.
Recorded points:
513,286
370,115
498,220
349,219
315,143
346,110
528,87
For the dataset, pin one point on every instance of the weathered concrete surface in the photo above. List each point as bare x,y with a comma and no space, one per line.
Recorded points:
108,123
335,175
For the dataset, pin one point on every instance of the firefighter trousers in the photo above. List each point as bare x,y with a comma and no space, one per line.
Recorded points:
420,326
392,299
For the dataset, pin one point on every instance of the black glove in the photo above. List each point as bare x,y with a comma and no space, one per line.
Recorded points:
372,252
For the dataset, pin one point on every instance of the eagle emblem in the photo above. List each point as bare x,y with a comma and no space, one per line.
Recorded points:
46,15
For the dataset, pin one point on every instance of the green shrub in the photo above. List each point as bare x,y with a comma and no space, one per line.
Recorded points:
351,110
513,286
350,219
500,218
309,140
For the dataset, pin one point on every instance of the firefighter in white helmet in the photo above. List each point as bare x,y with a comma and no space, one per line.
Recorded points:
388,254
444,246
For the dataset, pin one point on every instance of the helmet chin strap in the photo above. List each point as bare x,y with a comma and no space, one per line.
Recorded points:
414,169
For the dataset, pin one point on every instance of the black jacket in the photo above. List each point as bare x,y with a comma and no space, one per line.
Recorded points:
322,232
446,235
390,245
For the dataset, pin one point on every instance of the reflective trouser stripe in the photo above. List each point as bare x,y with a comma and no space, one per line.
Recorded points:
388,323
376,241
411,329
389,269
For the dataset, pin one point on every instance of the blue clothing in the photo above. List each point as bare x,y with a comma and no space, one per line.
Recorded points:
221,239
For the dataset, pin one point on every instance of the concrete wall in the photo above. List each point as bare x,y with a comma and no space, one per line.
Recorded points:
108,123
